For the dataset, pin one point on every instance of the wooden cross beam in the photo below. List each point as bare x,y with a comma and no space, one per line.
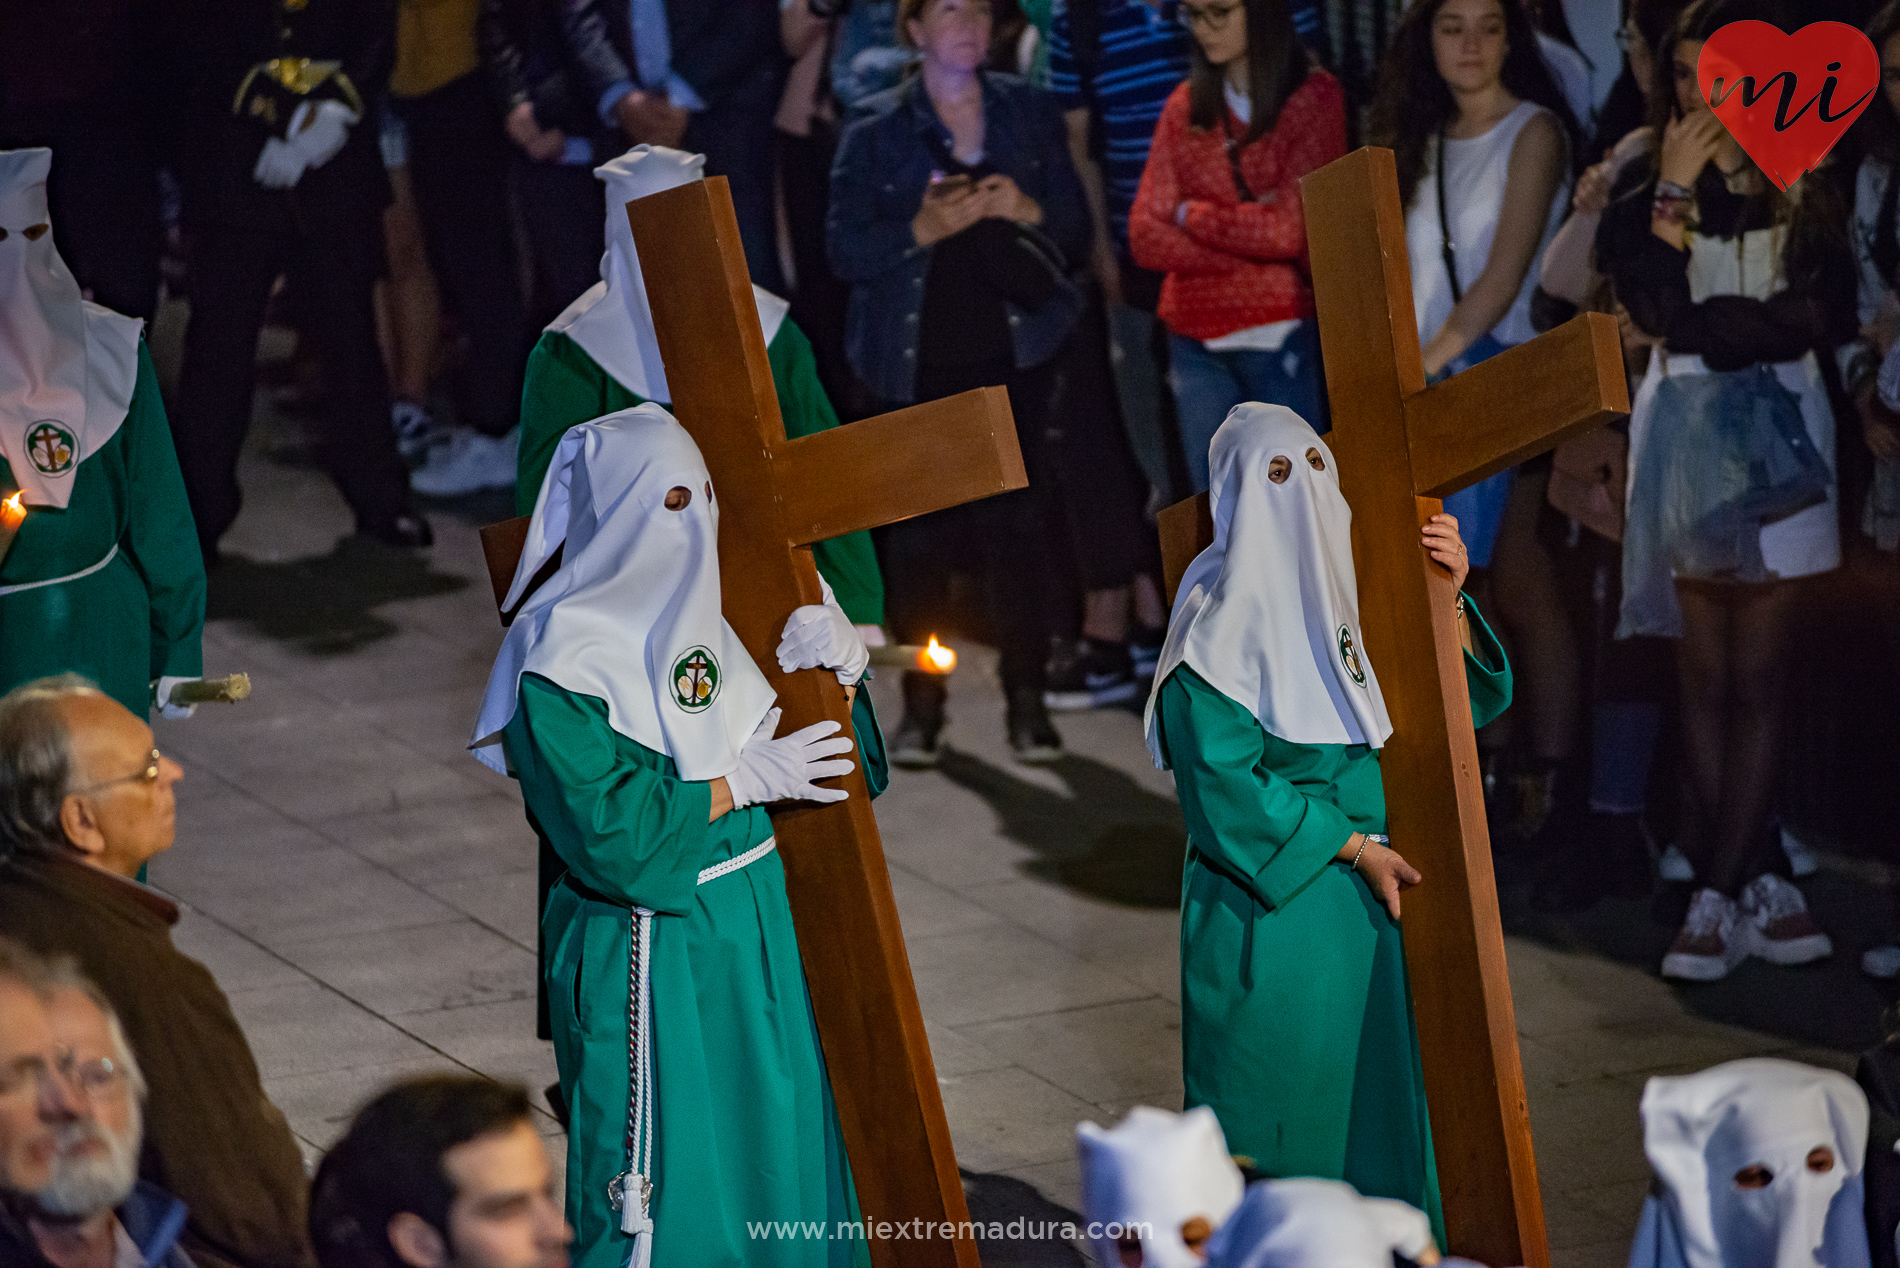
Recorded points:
1401,447
777,497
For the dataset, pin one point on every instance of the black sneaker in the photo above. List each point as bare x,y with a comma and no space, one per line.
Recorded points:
1031,734
1091,675
914,746
1144,647
406,530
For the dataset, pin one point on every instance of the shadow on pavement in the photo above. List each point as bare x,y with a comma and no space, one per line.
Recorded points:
1030,1230
1110,838
325,604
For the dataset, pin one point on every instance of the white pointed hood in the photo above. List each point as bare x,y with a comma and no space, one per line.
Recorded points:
612,321
1269,614
1307,1223
632,616
1699,1130
1159,1170
67,367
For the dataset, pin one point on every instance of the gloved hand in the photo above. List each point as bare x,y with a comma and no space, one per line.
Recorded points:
785,769
821,634
162,694
278,167
319,129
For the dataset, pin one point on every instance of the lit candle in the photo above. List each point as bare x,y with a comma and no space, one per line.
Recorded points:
936,658
932,659
12,515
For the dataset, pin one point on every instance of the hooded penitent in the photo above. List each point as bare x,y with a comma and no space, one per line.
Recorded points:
1269,614
632,616
612,321
1154,1172
1760,1163
67,367
1309,1223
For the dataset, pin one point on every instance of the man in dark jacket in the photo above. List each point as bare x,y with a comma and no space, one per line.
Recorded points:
701,77
93,1204
85,798
275,150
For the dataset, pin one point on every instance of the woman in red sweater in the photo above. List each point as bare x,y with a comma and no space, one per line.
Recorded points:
1218,211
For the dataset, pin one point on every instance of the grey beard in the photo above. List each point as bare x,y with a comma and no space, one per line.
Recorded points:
82,1187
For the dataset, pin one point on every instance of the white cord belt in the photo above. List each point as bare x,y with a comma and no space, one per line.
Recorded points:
60,581
636,1217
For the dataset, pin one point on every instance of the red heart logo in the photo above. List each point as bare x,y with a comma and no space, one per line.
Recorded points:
1787,98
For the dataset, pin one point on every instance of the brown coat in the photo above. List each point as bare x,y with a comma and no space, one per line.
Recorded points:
211,1136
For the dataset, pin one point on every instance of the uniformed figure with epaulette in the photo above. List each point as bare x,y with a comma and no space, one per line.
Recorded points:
276,153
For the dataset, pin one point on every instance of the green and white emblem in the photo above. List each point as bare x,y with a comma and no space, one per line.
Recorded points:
51,447
1349,656
696,680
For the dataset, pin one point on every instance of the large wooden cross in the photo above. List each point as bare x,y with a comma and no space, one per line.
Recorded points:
1401,447
776,498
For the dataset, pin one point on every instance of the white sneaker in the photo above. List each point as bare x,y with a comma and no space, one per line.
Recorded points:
1881,962
1713,940
415,430
1674,865
468,462
1783,931
1801,859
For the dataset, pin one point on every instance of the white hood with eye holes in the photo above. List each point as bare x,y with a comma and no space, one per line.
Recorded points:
1699,1130
67,367
633,615
1308,1223
1156,1169
1269,614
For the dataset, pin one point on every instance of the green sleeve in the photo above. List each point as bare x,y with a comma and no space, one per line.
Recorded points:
1240,815
630,830
161,538
563,387
1487,671
849,563
877,766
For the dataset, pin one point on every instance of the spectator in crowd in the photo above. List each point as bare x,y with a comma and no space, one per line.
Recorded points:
408,303
93,1208
37,1095
1876,236
555,141
954,213
1569,68
1219,211
85,800
1483,141
445,1171
459,174
1112,66
868,56
284,177
702,77
1744,286
78,78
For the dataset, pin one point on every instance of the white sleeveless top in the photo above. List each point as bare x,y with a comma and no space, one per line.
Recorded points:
1475,172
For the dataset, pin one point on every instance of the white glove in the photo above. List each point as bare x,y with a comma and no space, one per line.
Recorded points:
162,694
785,769
319,129
278,167
821,634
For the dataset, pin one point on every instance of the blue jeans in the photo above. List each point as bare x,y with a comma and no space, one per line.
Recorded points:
1209,384
1480,508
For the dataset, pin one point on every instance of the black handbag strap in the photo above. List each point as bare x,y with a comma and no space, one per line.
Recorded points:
1449,255
1232,147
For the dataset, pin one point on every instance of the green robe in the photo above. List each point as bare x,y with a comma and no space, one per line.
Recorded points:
1296,1016
565,386
745,1129
141,616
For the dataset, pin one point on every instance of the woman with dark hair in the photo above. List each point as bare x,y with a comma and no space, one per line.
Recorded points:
954,214
1483,142
1743,285
1219,212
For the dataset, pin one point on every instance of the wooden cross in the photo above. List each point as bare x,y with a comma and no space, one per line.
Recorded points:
1401,447
776,498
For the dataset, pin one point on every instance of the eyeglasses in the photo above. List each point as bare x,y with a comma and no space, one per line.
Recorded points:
148,777
1211,16
96,1078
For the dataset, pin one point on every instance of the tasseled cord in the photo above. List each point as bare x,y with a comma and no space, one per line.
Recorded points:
632,1189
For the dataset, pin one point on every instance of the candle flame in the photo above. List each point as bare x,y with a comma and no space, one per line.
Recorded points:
13,510
936,658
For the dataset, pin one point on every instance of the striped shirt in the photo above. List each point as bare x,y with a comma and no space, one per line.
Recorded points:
1144,54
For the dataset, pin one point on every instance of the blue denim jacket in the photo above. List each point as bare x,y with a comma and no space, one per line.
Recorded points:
877,184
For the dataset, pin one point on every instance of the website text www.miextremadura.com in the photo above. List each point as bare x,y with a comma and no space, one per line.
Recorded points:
1018,1229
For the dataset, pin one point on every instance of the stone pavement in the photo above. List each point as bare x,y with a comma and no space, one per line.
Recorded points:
364,891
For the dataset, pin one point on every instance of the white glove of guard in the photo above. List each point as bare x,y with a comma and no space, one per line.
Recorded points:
162,694
821,634
278,167
319,129
785,769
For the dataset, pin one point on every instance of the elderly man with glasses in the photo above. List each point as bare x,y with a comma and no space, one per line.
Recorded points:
87,1208
85,800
